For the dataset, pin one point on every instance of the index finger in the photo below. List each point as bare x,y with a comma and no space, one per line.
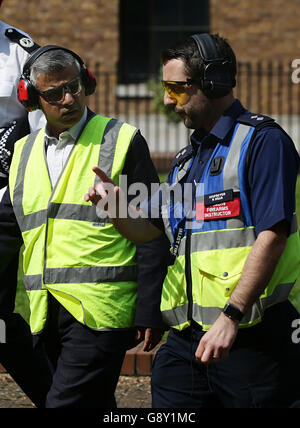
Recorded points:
101,174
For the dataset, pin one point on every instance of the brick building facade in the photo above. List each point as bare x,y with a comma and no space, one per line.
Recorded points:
89,27
256,29
263,30
259,31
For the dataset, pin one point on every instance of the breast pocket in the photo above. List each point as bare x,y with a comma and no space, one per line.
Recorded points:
216,286
216,275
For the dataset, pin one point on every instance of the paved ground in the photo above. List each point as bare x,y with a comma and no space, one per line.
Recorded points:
132,392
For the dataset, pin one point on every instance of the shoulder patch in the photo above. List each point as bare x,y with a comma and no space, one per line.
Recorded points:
255,120
182,155
25,42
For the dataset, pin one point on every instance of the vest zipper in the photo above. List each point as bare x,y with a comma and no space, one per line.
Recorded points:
53,188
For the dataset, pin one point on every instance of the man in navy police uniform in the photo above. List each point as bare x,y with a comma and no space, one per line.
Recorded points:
208,360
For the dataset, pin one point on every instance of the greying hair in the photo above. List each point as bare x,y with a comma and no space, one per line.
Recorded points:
52,61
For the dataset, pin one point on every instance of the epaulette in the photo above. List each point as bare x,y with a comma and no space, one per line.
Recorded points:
25,42
256,120
183,155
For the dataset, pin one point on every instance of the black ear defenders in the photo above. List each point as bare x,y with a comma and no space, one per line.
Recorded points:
29,96
217,79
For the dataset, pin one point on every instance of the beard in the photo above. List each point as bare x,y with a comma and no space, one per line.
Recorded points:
195,118
199,115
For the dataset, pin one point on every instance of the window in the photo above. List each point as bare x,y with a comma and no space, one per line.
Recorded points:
148,26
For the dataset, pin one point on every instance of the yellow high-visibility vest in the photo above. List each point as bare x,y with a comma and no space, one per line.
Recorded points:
211,254
80,259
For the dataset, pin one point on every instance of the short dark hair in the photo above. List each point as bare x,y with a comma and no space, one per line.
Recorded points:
194,65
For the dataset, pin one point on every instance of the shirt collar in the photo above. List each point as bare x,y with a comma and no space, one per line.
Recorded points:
227,120
224,124
72,132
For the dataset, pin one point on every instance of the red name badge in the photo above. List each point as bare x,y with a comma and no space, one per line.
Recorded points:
218,211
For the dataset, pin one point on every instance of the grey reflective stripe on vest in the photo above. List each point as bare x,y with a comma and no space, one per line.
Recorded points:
176,316
208,315
230,171
60,211
81,275
72,212
226,238
108,147
165,208
32,282
88,274
230,176
165,219
107,155
220,240
25,221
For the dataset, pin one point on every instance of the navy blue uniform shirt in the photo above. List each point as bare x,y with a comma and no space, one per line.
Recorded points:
272,172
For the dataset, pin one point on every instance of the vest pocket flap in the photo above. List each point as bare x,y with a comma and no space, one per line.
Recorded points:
223,264
221,273
216,280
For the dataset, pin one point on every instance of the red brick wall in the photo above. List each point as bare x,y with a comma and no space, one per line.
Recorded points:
259,29
89,27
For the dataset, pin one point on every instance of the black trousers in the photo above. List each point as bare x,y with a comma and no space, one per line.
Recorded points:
263,369
25,364
85,363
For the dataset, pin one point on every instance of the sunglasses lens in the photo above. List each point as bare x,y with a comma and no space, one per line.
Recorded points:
74,86
176,92
57,94
53,95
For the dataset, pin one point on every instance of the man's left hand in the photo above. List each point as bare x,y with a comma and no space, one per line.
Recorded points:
151,336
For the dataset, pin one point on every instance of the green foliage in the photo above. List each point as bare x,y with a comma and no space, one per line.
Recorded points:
154,85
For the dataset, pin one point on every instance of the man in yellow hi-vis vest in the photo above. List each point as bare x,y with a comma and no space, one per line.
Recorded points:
80,274
228,209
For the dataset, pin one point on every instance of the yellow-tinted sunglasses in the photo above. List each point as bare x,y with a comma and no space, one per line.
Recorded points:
177,90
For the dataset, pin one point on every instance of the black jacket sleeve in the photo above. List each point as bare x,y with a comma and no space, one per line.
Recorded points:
153,257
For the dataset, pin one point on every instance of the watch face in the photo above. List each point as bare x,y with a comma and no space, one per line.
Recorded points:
232,312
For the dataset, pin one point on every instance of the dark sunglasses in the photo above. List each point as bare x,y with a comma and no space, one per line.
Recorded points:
56,95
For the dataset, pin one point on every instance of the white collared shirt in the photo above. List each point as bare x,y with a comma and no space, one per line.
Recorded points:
58,150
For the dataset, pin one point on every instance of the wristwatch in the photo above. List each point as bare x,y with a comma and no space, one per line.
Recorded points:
233,312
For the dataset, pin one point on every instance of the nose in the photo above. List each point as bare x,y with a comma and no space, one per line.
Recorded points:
68,97
168,101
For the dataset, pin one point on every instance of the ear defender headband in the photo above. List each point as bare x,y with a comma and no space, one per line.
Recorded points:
217,79
29,96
